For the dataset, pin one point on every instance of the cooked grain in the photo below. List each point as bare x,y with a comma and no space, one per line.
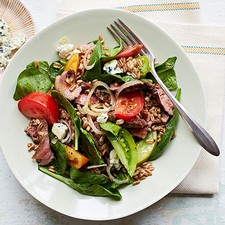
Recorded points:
142,171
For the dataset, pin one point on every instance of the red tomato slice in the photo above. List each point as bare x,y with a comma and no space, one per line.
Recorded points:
129,51
129,105
39,105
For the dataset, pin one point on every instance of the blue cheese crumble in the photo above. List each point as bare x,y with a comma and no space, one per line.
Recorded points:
8,43
112,68
102,118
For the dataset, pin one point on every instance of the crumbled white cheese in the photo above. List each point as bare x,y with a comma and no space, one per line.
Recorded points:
59,130
63,40
4,28
17,42
114,159
8,43
102,118
112,68
66,50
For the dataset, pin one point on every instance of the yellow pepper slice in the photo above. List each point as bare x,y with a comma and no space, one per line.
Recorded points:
72,63
75,158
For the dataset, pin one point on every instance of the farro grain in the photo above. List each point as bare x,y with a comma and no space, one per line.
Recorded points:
57,65
119,121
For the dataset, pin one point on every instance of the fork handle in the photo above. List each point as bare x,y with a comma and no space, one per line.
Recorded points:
202,136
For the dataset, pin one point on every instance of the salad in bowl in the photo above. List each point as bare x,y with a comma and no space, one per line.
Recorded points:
97,118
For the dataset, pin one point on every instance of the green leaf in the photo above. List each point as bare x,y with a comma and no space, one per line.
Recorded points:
61,156
85,188
125,78
88,177
95,60
108,54
89,148
167,73
32,80
54,72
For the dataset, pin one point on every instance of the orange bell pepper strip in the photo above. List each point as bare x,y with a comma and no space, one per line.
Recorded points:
75,158
73,62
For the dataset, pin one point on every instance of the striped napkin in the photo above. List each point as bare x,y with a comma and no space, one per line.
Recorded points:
206,48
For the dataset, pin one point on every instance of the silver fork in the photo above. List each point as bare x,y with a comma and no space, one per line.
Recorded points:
121,31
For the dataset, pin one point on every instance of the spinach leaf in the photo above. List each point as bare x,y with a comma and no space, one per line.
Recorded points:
108,54
61,156
85,188
88,177
109,78
125,78
89,148
54,72
75,173
169,132
33,79
121,176
167,73
63,102
95,60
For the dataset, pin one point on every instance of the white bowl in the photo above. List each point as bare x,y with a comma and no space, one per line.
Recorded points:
170,168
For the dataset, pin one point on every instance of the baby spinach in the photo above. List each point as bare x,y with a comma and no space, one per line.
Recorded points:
85,188
88,177
89,148
96,61
169,132
99,56
108,54
32,79
125,78
59,149
167,73
54,72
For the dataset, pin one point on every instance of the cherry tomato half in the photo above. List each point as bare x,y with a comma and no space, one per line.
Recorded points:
129,51
128,105
39,105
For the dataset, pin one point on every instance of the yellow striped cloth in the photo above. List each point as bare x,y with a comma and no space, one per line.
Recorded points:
172,6
182,11
206,48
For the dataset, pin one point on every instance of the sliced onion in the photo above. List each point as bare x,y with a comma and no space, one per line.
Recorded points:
127,85
80,109
112,178
86,108
95,107
96,166
89,67
94,128
68,136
